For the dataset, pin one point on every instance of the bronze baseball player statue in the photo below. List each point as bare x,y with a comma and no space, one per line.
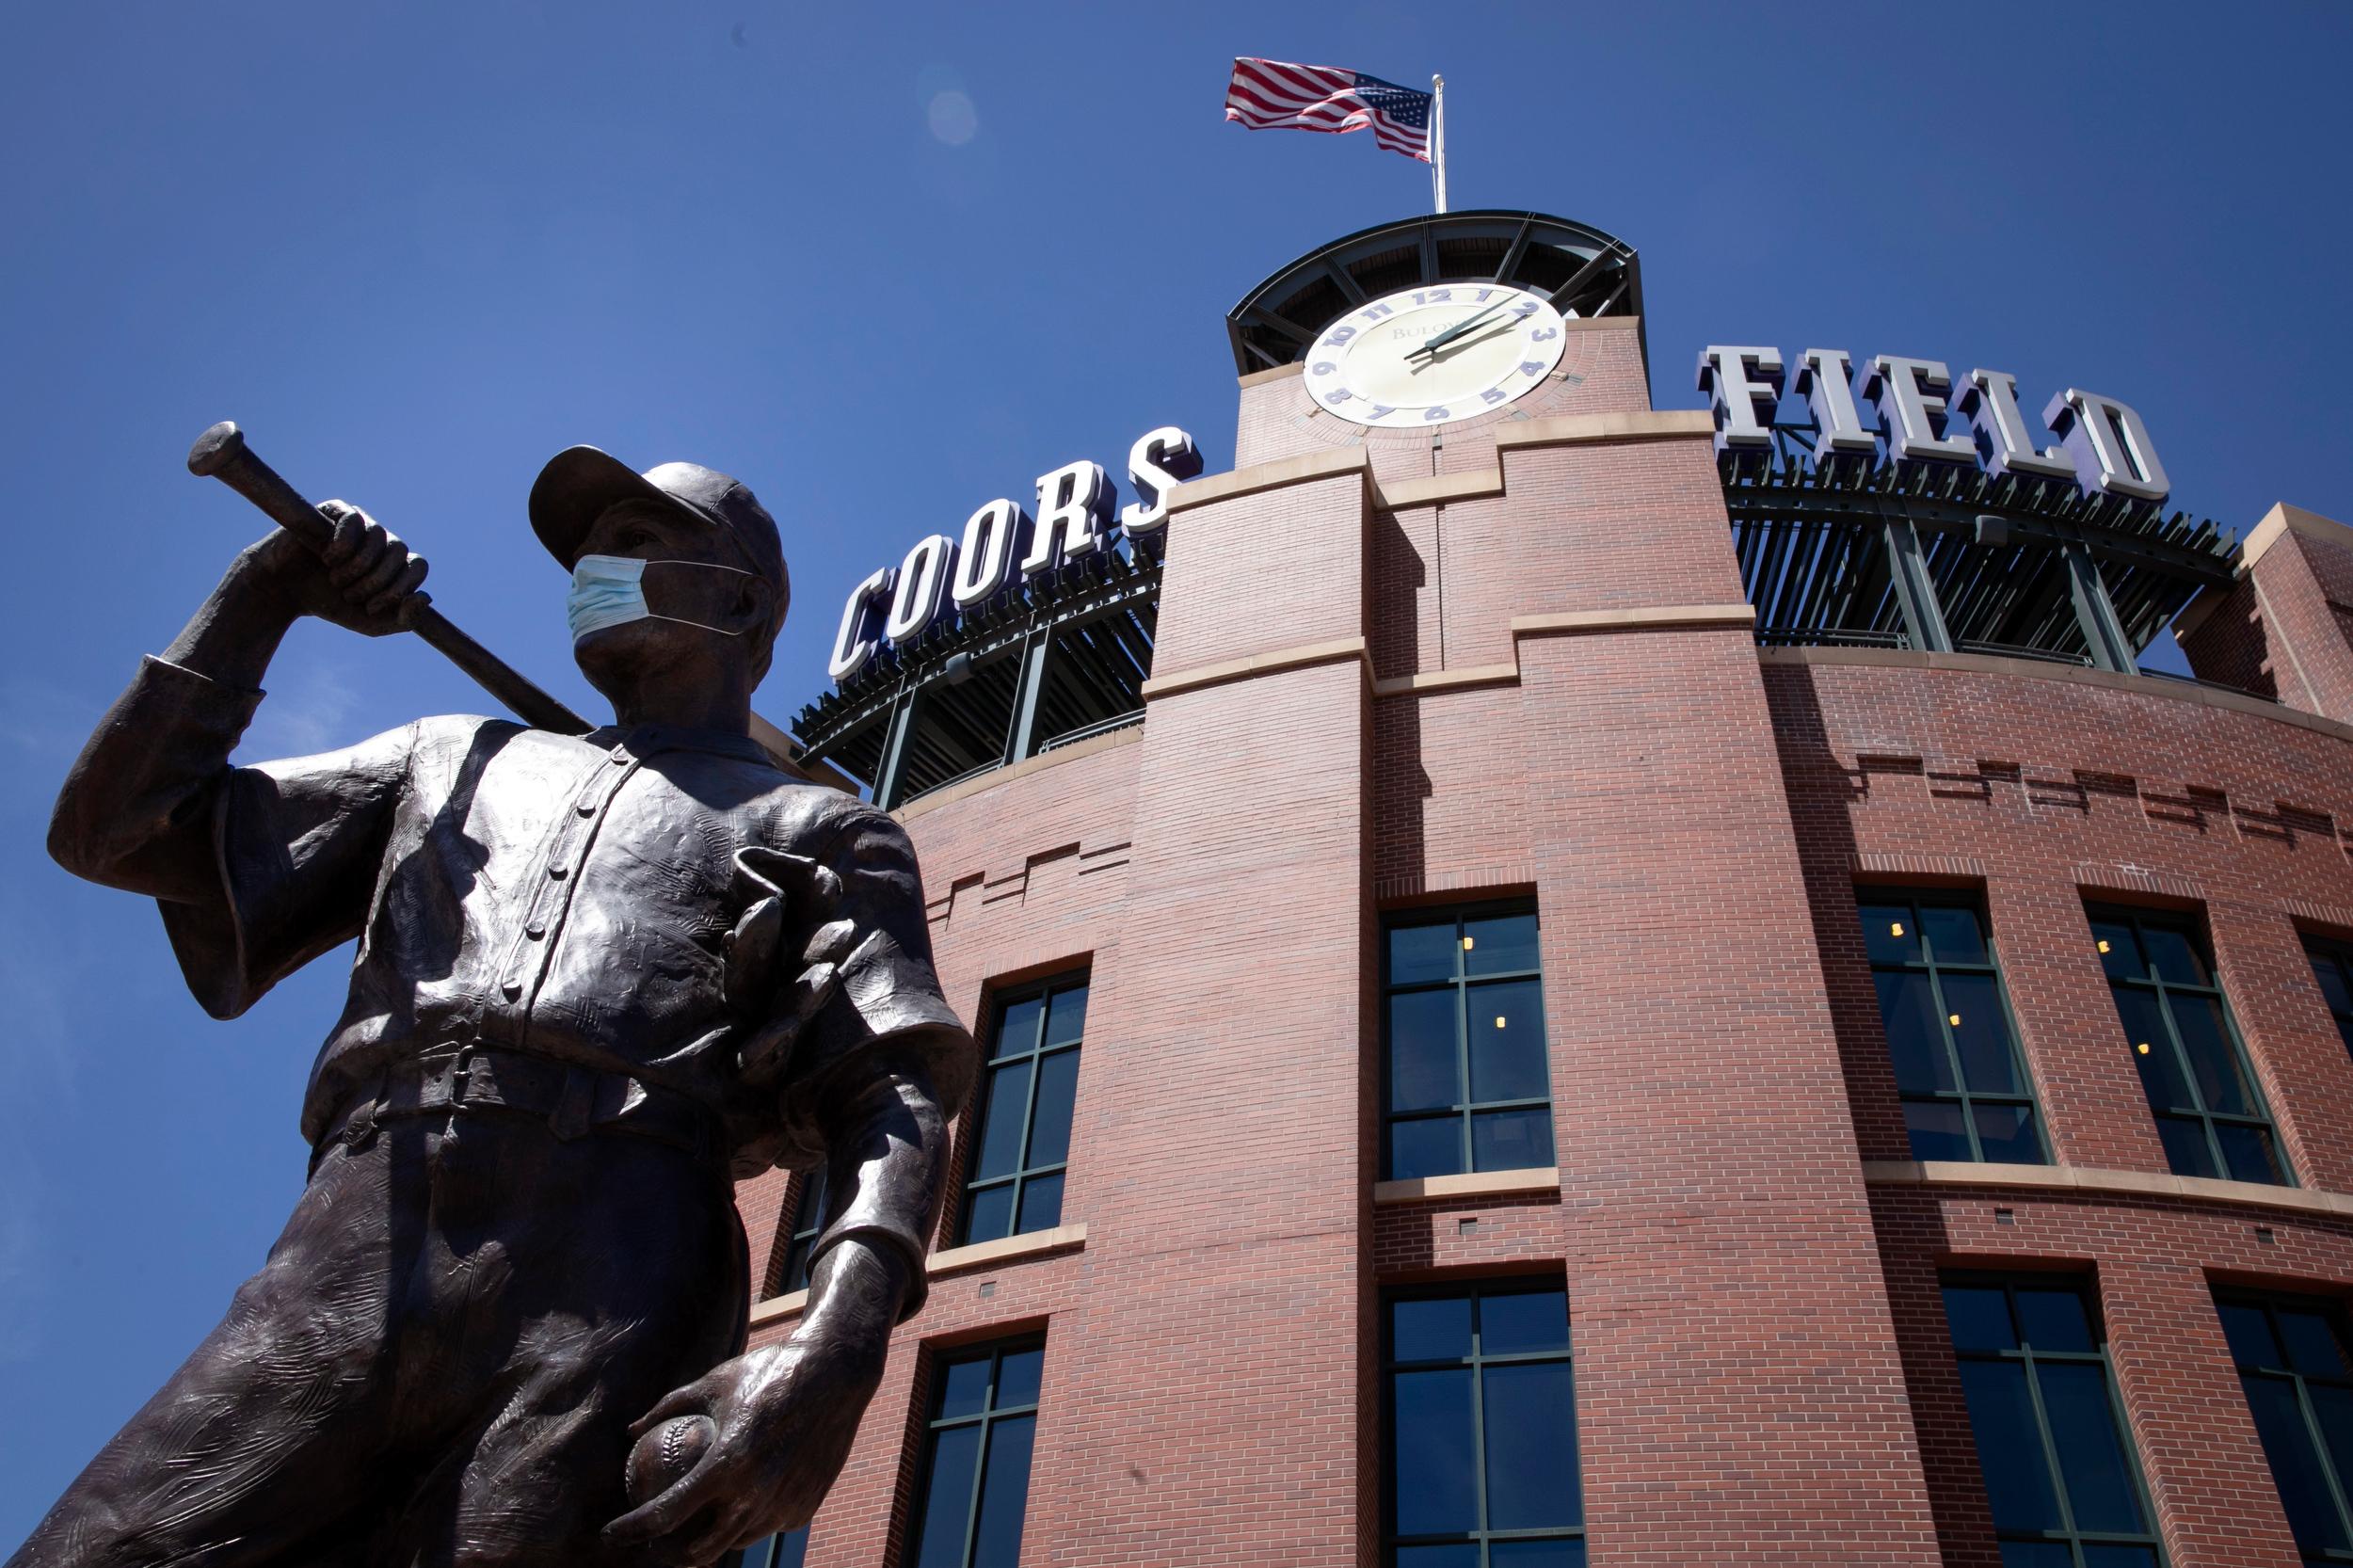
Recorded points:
598,977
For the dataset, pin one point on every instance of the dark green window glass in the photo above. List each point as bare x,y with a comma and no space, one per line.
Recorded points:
809,1219
1481,1415
2060,1478
1966,1091
976,1461
2333,968
1467,1082
1021,1137
2292,1362
2209,1111
789,1550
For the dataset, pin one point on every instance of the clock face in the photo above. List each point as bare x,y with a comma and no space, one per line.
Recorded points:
1431,355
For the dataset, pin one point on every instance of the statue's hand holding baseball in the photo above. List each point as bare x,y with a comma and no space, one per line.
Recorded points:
760,1438
364,580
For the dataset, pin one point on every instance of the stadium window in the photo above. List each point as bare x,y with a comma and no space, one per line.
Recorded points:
809,1217
1022,1149
2209,1109
2061,1476
1467,1082
2332,967
789,1550
2291,1354
1965,1090
976,1461
1480,1408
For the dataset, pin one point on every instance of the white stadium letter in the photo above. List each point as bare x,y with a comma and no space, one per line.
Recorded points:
1158,463
923,584
991,535
1827,384
1074,504
854,643
2111,448
1988,401
1737,400
1910,393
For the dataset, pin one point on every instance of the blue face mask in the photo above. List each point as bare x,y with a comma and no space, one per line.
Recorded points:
610,590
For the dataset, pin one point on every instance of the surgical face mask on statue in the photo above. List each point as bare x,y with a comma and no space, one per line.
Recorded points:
610,590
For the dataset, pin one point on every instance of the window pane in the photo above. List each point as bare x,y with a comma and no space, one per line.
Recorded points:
963,1388
1507,1042
1936,1131
2208,1046
1522,1322
1430,1447
792,1549
1000,1128
1979,1318
1050,1125
2006,1135
2186,1151
2036,1553
2174,955
1954,935
2295,1467
1424,1068
2331,974
2334,1409
2054,1319
2098,1556
1537,1554
1511,1140
797,1265
990,1216
1463,1555
2009,1449
1041,1203
812,1205
2090,1451
2312,1346
2153,1051
2250,1335
1438,1330
1501,944
1005,1493
2248,1153
1530,1413
1428,1147
948,1499
1067,1016
1018,1374
1016,1030
1982,1035
1915,1036
2120,956
1421,952
1889,933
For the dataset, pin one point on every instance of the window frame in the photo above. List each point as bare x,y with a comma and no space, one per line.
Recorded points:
1475,1290
985,1418
808,1205
1916,899
2268,1302
2086,1291
2338,952
992,1068
1466,1110
2194,926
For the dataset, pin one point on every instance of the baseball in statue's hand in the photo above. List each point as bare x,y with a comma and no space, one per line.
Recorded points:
661,1459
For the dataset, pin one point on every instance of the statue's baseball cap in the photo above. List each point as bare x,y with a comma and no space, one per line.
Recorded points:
580,482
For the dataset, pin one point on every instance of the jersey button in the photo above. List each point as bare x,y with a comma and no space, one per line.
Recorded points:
586,809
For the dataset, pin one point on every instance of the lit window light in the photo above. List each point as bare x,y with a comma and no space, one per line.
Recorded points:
1954,1020
1499,1020
2142,1048
1467,944
2104,944
1896,929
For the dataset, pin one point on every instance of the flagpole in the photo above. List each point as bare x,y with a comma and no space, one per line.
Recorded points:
1437,139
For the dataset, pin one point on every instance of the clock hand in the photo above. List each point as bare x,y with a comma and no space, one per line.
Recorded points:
1457,330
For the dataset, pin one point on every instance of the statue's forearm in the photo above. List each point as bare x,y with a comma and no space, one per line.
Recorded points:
235,631
887,1167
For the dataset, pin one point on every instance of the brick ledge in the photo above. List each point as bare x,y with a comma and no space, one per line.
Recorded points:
950,1260
2080,1178
1476,1184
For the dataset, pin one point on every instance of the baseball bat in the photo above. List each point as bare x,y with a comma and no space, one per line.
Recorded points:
220,453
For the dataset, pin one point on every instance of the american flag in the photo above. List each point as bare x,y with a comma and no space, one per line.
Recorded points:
1265,93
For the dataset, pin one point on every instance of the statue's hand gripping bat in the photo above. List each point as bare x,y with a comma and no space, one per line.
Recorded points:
220,453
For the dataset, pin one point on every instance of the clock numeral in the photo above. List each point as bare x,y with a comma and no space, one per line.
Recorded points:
1492,396
1525,308
1480,296
1531,367
1379,411
1322,367
1340,335
1433,296
1434,413
1337,395
1543,333
1374,313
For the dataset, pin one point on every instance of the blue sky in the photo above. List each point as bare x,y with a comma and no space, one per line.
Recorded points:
884,266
